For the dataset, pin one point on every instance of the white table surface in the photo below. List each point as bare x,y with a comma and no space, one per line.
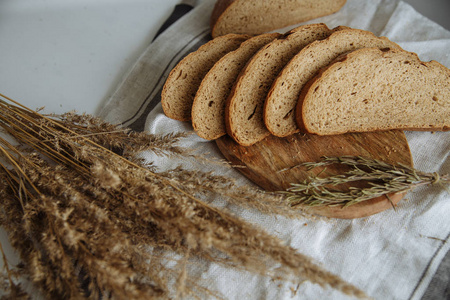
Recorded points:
70,55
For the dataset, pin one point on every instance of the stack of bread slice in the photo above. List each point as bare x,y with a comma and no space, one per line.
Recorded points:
184,80
311,79
209,103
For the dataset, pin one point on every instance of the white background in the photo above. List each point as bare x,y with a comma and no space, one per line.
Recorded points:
70,55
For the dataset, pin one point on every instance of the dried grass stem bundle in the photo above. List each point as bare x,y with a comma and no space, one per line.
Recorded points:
89,220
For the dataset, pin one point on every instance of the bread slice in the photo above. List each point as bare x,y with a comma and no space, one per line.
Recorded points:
256,16
372,89
244,108
279,109
183,81
208,109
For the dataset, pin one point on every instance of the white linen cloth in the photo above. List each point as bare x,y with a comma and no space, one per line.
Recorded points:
390,255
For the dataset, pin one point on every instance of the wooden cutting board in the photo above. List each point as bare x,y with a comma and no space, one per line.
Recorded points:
265,159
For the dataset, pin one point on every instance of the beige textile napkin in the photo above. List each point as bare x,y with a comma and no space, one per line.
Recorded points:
391,255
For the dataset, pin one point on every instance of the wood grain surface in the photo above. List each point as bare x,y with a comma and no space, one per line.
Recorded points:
264,160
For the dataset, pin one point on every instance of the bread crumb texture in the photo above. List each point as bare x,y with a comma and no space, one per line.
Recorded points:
256,16
183,81
208,109
280,105
244,109
373,89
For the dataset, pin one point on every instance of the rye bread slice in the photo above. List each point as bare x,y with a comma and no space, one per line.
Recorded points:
372,90
208,109
183,81
244,108
256,16
279,109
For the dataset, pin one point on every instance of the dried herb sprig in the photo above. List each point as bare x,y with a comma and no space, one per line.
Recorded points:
90,223
382,179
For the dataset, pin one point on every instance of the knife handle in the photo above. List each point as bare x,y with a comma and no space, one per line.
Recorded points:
179,11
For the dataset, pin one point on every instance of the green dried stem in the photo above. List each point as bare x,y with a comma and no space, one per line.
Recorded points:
382,179
90,221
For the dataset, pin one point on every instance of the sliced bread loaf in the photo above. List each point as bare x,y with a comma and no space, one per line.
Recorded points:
183,81
372,89
244,108
279,109
256,16
208,109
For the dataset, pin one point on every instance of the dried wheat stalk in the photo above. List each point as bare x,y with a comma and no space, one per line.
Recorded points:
90,223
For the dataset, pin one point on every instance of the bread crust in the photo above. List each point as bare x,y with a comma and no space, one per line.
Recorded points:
219,9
